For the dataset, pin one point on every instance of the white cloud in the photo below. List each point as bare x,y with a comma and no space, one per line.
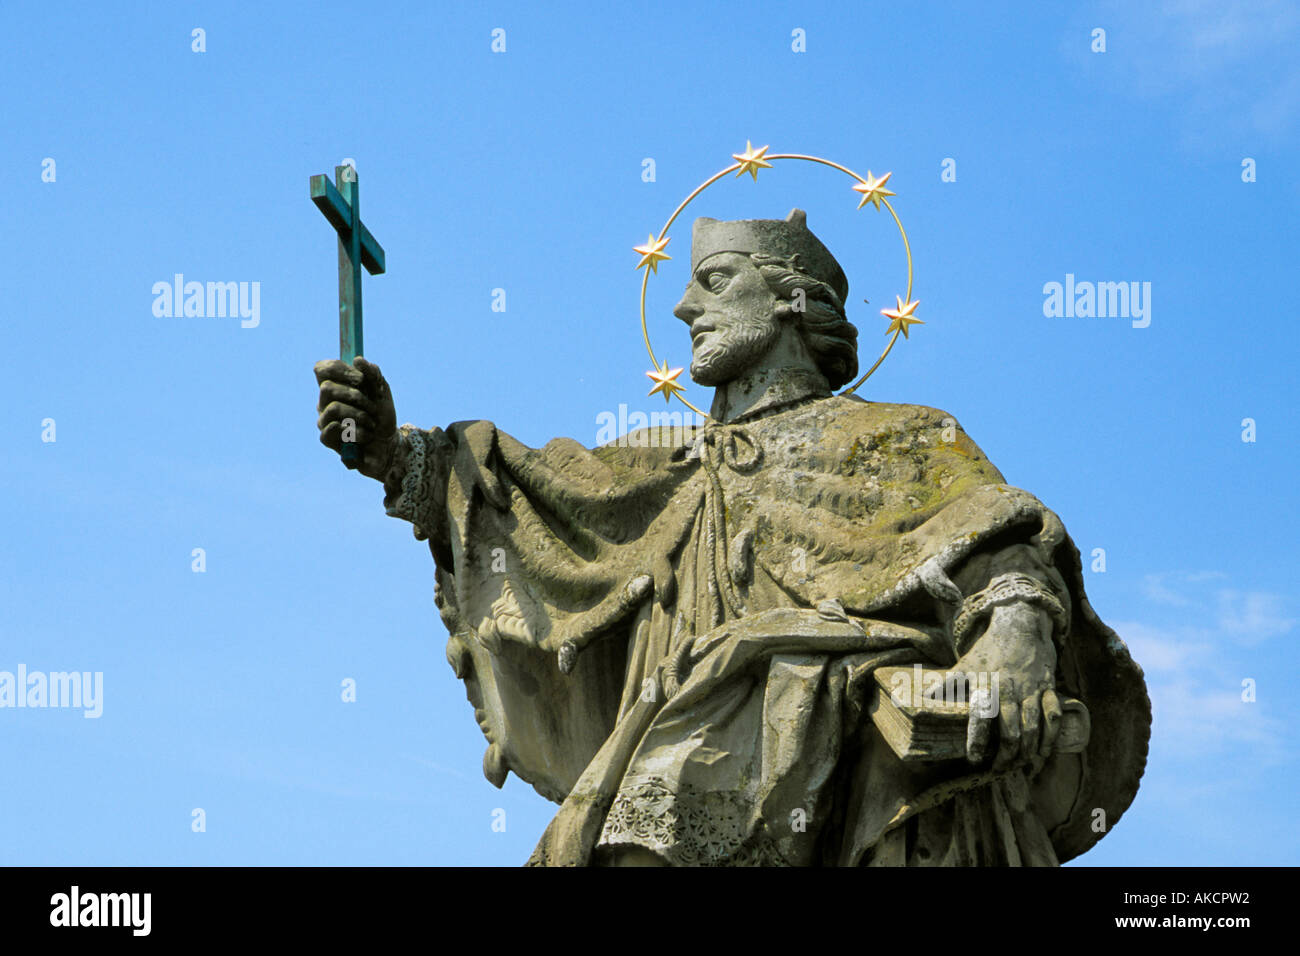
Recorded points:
1249,617
1196,695
1196,659
1169,586
1226,64
1228,30
1252,616
1161,650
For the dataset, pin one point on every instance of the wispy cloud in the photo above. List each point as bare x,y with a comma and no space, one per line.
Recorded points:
1224,63
440,768
1211,692
1169,587
1248,617
1221,32
1253,616
1160,650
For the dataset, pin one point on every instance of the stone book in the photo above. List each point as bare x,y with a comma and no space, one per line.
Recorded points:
919,727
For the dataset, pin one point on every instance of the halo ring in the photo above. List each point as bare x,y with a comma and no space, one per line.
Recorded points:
663,233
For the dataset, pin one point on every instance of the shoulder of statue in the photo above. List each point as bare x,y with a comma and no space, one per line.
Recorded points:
931,436
860,415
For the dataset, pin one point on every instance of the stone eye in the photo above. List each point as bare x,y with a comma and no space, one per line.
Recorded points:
716,281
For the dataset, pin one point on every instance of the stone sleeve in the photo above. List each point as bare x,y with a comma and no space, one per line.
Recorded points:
1017,573
415,487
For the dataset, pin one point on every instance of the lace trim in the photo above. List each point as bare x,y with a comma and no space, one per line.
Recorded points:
688,827
416,493
1002,590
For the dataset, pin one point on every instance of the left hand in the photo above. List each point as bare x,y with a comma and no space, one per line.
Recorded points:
1017,652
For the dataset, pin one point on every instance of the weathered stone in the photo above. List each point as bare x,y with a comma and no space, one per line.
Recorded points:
682,645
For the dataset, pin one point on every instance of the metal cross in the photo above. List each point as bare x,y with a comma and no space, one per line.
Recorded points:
357,248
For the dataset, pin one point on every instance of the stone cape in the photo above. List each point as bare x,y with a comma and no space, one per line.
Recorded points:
675,643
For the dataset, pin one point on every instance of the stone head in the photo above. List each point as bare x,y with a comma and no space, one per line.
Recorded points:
749,279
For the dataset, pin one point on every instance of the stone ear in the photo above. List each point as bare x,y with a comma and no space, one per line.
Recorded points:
798,217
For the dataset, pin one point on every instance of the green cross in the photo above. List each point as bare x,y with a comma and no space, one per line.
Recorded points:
357,248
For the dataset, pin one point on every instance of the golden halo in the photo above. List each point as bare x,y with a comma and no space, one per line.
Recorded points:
751,161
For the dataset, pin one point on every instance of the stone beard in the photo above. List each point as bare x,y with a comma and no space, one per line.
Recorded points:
681,645
718,363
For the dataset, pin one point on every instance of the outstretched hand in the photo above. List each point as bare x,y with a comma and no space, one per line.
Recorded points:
356,405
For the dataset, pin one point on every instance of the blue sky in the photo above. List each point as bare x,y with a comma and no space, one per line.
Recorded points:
522,171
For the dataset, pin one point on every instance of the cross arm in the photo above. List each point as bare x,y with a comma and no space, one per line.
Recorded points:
329,201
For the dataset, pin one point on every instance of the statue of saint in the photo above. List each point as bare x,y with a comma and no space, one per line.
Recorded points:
818,631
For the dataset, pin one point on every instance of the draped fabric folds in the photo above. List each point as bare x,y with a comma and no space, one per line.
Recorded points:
675,640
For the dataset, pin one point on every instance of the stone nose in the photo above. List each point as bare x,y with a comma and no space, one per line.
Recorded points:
688,310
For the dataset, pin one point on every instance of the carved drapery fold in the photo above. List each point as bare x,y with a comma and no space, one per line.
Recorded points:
605,549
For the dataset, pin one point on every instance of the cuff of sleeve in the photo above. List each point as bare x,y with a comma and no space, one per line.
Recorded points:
414,496
1008,588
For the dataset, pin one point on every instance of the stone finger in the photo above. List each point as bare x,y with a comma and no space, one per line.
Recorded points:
978,730
337,370
1052,714
1030,724
331,436
370,374
338,412
332,391
1008,734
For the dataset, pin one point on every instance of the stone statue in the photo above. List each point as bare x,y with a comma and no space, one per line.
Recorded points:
819,631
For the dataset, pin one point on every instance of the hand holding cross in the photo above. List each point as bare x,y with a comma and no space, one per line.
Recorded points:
357,247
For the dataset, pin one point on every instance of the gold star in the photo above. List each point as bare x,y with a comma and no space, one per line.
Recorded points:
901,316
873,190
651,253
751,160
665,380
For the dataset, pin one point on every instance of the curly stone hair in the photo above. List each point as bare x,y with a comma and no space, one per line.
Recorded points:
830,336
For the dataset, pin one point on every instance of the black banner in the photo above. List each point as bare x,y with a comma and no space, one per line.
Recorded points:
929,907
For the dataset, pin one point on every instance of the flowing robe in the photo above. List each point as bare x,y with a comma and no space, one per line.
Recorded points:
675,641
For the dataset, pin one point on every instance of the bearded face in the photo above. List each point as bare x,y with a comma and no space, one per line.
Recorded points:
732,315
